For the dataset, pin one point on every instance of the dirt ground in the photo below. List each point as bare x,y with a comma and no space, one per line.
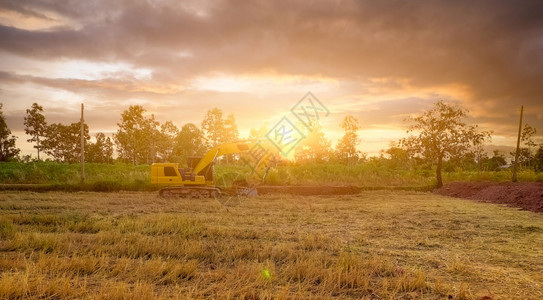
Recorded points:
526,195
308,190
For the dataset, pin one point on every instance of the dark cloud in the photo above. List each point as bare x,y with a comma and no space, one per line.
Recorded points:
431,42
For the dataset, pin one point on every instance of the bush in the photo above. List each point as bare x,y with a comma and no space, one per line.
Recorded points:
62,173
106,186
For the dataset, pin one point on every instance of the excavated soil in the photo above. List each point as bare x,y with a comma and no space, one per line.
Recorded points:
526,195
308,190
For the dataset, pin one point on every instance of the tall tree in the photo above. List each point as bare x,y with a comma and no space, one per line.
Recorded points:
35,125
152,139
7,143
166,141
346,147
231,133
63,142
213,126
136,136
440,133
526,156
315,148
53,142
538,160
527,133
100,151
189,142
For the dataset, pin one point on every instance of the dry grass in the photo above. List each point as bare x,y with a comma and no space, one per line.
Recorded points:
376,245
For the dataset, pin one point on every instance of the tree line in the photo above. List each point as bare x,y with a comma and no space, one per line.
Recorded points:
438,137
141,139
63,142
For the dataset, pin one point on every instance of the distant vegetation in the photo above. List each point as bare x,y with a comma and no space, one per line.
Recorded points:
7,141
440,142
375,172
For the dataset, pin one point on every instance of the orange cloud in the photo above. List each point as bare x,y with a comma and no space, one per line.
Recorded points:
379,61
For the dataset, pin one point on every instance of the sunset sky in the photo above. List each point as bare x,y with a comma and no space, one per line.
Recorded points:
380,61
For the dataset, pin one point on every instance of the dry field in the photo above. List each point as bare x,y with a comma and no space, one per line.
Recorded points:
375,245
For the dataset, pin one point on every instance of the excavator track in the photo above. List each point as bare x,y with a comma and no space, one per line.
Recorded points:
190,192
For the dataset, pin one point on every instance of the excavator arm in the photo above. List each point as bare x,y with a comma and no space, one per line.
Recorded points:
233,148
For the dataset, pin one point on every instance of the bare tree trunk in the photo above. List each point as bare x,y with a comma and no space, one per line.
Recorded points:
438,171
82,146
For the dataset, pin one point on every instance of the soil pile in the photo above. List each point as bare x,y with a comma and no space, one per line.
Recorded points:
308,190
526,195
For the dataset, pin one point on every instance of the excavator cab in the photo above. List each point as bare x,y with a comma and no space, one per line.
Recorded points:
169,174
208,171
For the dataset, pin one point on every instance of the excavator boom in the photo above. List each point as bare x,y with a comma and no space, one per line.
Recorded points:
218,151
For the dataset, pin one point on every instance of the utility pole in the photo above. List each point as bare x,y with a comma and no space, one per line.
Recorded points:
515,165
82,146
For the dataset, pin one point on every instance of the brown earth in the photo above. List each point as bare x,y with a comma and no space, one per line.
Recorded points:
308,190
526,195
316,190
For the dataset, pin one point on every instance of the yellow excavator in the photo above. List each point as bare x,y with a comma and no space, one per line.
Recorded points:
197,180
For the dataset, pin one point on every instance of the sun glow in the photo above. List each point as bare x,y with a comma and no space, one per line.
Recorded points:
263,83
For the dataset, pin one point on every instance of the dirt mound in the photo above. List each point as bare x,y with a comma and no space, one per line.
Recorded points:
308,190
526,195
